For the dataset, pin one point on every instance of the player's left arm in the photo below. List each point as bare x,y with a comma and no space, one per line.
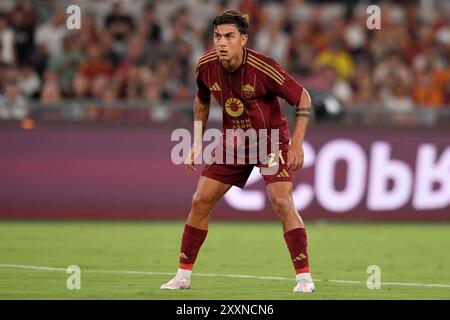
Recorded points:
302,115
286,87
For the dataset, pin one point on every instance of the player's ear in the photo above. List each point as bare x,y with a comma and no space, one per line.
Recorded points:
244,39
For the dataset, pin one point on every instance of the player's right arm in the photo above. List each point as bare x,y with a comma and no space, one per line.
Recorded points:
201,114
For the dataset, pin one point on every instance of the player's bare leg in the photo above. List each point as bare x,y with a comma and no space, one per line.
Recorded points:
294,232
280,194
208,192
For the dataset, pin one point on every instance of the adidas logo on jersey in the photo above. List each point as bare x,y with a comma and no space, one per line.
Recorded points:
215,87
283,174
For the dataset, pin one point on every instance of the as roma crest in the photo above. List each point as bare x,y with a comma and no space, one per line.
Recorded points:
248,91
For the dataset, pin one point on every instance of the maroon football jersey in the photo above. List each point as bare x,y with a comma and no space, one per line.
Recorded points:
249,94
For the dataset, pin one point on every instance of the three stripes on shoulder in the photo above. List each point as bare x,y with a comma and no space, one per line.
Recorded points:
252,60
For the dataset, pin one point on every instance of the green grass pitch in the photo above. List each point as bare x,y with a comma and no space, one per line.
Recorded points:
414,260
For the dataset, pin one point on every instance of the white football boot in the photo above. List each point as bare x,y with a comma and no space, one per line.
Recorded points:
181,281
305,283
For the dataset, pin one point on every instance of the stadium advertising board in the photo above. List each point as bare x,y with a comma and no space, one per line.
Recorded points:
351,174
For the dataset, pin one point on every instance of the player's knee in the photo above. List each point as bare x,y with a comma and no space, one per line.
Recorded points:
201,203
281,205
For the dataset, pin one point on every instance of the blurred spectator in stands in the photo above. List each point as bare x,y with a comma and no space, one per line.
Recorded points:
98,86
7,49
340,87
180,27
361,81
153,90
393,80
48,41
23,26
29,81
163,74
89,33
253,9
442,71
133,83
158,111
415,52
13,105
355,35
27,8
106,106
7,73
443,34
182,31
336,57
110,96
299,57
44,10
181,85
66,63
109,106
111,57
393,36
320,38
271,38
429,79
151,32
180,66
207,36
118,22
94,63
447,93
390,67
50,36
133,91
128,73
320,45
3,68
319,77
120,25
79,94
80,87
395,97
51,92
184,93
135,50
152,27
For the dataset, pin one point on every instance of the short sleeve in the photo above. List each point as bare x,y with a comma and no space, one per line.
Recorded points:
284,85
203,93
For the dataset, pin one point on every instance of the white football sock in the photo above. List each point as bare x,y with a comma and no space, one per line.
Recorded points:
303,276
184,273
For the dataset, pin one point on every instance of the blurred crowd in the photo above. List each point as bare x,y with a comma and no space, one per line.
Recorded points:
147,50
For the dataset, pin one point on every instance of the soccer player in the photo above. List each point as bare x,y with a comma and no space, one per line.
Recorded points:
246,84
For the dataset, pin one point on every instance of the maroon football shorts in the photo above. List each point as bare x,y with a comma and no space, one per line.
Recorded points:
237,174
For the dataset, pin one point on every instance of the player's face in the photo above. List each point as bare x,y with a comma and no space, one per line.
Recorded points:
228,41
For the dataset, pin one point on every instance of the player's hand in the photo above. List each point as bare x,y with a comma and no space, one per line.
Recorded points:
189,162
295,156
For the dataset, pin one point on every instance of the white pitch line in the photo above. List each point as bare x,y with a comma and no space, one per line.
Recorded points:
245,276
240,276
21,266
406,284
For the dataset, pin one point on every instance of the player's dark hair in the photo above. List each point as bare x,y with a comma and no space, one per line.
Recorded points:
232,17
